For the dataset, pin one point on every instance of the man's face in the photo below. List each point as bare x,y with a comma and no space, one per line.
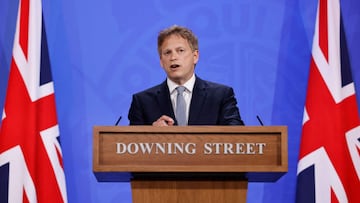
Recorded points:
177,59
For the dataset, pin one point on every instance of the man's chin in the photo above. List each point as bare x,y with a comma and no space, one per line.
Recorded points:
176,78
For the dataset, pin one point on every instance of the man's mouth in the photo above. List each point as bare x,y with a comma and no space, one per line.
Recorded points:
174,66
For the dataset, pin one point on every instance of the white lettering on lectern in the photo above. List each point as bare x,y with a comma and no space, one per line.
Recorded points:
156,148
234,148
190,148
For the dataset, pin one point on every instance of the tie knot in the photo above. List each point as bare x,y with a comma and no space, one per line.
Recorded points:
180,89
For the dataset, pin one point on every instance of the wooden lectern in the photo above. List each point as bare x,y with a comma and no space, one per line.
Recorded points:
190,163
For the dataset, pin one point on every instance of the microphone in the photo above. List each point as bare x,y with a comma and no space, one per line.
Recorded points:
259,120
118,120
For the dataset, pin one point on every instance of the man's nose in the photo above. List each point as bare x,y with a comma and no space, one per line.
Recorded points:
174,56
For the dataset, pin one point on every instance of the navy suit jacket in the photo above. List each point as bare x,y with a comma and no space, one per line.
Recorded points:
211,104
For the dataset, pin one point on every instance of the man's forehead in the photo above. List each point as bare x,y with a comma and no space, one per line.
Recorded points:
174,41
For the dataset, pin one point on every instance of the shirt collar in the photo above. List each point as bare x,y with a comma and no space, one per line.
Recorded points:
189,85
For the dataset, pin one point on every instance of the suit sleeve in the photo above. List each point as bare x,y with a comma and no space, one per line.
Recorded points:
135,115
230,114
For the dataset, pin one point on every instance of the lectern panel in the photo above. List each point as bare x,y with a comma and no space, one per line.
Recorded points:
190,149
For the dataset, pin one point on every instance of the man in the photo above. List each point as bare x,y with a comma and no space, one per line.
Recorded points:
204,102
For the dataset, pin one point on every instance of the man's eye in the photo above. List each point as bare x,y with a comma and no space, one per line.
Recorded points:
166,53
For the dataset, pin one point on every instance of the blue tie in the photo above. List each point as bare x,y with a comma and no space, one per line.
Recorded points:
180,106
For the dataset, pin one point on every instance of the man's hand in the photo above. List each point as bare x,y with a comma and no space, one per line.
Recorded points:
164,121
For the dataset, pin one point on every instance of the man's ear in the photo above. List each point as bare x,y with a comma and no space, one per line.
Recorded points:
196,56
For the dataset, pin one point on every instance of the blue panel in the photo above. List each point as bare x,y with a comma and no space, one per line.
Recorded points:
306,185
4,182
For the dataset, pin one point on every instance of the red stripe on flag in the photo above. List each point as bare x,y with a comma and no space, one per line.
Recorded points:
24,26
323,28
59,157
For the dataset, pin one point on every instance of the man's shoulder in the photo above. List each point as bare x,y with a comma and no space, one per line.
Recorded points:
211,84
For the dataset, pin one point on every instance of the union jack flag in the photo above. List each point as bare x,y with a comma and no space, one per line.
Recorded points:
31,168
329,160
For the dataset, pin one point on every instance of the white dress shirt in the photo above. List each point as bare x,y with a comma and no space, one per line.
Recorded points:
189,86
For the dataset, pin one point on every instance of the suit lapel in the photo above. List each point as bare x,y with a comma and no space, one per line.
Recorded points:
197,100
164,101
